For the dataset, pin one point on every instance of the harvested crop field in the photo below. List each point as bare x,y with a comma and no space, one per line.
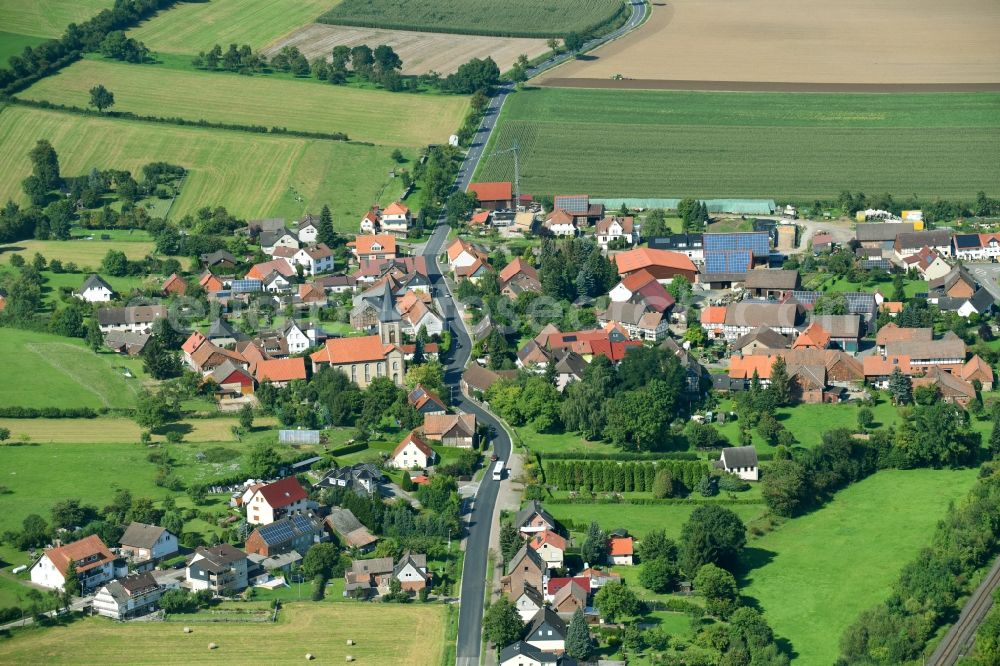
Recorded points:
502,18
799,41
252,175
377,116
421,52
713,144
190,27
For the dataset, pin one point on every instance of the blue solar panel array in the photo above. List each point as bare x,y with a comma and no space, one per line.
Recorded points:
728,261
574,203
758,242
247,286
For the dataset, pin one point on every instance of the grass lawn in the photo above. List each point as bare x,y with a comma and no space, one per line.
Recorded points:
12,44
118,430
375,116
320,629
54,371
560,442
251,175
830,283
73,281
814,574
86,254
47,18
797,145
639,519
507,18
191,27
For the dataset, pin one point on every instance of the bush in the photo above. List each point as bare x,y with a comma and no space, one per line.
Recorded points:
319,588
733,484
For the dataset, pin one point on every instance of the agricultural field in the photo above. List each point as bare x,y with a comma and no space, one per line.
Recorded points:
191,27
790,145
54,371
375,116
121,430
13,44
799,45
501,18
47,18
421,52
86,254
815,574
251,175
319,629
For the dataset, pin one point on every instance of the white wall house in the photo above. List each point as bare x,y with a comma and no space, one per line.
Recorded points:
95,290
314,259
308,232
297,339
741,461
143,542
412,453
275,500
93,561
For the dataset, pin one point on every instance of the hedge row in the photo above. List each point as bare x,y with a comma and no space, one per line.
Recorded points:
50,413
621,455
352,448
128,115
614,476
648,501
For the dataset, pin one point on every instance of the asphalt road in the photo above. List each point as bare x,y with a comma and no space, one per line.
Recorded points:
961,635
479,515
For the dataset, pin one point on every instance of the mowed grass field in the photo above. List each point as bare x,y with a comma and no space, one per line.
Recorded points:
504,18
191,27
639,519
42,370
319,629
375,116
120,430
86,254
815,574
797,145
47,18
251,175
13,44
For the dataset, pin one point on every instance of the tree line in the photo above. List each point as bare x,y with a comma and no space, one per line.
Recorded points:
610,476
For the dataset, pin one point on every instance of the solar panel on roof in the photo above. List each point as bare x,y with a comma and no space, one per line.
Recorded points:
758,242
576,203
246,286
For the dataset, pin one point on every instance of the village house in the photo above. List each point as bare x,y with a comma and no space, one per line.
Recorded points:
611,341
134,318
451,429
639,322
349,530
891,333
232,380
207,357
272,240
976,369
844,330
373,248
411,572
641,287
465,255
948,353
416,313
661,264
976,247
981,303
690,245
579,206
129,597
94,563
141,542
547,631
911,242
929,264
126,342
220,260
570,367
769,283
950,387
493,195
262,270
533,519
396,220
811,372
567,598
517,277
95,290
307,229
813,337
210,283
222,334
524,654
878,369
412,453
550,546
368,578
371,222
425,401
272,501
737,319
881,235
477,380
280,372
361,478
741,461
760,339
528,602
616,229
621,550
174,286
958,283
221,569
314,259
525,568
560,223
276,283
292,533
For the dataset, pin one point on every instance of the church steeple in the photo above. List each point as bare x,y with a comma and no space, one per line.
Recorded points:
388,318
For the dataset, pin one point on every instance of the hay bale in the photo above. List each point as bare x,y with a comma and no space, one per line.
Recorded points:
212,646
187,630
309,656
350,642
350,658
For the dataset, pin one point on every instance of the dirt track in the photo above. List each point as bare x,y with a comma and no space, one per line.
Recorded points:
802,45
421,52
764,86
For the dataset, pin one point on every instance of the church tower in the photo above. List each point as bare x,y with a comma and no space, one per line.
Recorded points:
388,318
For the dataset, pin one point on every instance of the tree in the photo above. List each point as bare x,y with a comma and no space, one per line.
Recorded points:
115,263
719,589
994,433
502,624
831,304
510,542
72,584
160,362
45,165
866,417
94,336
573,42
784,487
658,575
655,224
4,434
246,417
101,98
430,375
263,461
898,287
320,560
152,410
615,601
595,545
900,387
779,382
324,232
663,484
579,644
656,544
713,534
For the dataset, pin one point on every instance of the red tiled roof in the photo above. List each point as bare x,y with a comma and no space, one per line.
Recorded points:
282,493
547,536
352,350
494,191
480,218
814,336
417,442
281,369
876,366
556,584
192,343
80,550
714,314
363,244
174,283
620,546
517,265
643,257
396,208
262,270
